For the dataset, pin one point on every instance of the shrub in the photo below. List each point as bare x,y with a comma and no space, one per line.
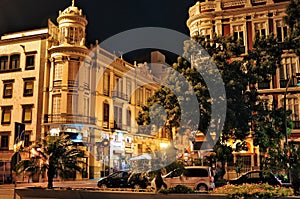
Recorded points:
177,189
253,191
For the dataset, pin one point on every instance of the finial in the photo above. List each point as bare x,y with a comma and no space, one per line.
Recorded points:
73,3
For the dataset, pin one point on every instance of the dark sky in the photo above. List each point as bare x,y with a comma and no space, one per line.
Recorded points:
106,17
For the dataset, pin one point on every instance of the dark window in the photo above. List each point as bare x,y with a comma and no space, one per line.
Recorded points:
29,62
7,89
106,83
197,145
263,32
118,117
27,140
4,63
285,32
27,113
6,115
128,118
28,88
279,34
105,115
4,141
14,62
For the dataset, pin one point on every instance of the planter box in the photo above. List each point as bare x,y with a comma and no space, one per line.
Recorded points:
92,194
41,193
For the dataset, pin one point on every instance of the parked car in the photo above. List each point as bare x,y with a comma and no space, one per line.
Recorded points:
124,179
285,180
196,177
256,177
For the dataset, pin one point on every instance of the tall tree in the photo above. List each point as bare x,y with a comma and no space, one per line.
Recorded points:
292,19
267,119
224,53
54,155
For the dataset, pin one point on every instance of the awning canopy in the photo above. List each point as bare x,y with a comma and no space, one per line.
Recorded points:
145,156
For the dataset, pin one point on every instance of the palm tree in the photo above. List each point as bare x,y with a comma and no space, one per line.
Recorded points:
54,155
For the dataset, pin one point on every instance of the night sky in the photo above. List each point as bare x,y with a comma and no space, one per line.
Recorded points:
106,18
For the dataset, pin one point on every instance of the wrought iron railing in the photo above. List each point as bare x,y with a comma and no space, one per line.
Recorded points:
68,118
284,82
264,85
296,124
119,95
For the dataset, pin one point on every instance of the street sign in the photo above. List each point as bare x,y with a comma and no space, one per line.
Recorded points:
19,132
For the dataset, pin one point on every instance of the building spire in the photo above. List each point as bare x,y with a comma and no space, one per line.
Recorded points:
73,3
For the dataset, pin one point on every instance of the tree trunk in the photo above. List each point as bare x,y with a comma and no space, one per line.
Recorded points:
295,177
50,175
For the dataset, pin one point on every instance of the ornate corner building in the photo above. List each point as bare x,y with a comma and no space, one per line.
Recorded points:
52,83
244,19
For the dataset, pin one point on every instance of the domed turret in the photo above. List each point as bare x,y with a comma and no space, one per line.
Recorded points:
72,24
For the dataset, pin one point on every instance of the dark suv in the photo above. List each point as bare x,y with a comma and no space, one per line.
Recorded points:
124,179
256,177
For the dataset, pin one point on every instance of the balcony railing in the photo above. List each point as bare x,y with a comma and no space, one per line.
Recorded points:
283,83
119,95
72,83
264,85
68,118
208,6
296,124
233,3
57,83
258,1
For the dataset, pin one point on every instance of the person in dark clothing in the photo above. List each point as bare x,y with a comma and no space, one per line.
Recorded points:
159,182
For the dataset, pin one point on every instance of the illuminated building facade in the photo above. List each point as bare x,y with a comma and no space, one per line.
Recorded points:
51,82
244,19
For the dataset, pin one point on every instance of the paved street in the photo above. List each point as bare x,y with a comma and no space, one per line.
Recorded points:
7,190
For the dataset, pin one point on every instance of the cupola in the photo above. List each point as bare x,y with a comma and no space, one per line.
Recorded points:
72,24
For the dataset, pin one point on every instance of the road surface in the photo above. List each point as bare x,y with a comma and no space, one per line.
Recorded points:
7,190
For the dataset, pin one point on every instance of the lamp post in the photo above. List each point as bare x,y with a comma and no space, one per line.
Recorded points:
284,106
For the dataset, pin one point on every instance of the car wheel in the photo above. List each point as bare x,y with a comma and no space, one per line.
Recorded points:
202,187
103,186
137,186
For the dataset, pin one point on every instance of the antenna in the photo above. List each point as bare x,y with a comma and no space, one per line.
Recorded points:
73,3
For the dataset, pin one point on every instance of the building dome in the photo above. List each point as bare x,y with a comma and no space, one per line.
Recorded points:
71,24
72,10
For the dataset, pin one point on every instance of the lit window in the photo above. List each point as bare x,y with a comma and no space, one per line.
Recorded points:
260,29
28,87
27,113
6,114
7,89
58,72
56,104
